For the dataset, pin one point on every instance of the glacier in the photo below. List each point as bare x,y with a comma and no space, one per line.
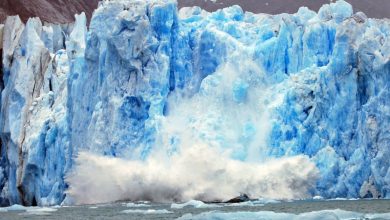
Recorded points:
144,78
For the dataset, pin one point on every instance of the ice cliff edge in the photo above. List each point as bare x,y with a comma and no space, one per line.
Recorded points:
269,86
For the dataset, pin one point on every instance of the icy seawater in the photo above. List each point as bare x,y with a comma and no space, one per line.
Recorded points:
305,209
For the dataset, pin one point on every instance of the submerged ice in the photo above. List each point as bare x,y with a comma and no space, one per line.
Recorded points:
229,102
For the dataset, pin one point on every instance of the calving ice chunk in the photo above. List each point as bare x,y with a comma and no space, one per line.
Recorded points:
146,90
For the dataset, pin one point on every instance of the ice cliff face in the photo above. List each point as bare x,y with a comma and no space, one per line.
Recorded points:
257,86
35,147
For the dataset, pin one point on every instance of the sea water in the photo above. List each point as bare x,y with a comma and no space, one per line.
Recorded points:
307,209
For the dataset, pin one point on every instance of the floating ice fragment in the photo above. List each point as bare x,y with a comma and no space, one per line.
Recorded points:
147,211
336,214
195,204
137,205
15,207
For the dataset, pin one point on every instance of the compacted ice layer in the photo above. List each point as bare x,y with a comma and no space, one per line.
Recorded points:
145,80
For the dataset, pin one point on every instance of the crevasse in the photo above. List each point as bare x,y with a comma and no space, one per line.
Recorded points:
258,86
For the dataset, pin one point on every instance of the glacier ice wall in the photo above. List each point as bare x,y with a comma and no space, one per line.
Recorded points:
34,128
144,79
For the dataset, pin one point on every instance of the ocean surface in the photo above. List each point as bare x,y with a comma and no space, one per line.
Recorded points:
311,209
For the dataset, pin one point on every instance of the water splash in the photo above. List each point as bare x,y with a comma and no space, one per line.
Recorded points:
199,172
